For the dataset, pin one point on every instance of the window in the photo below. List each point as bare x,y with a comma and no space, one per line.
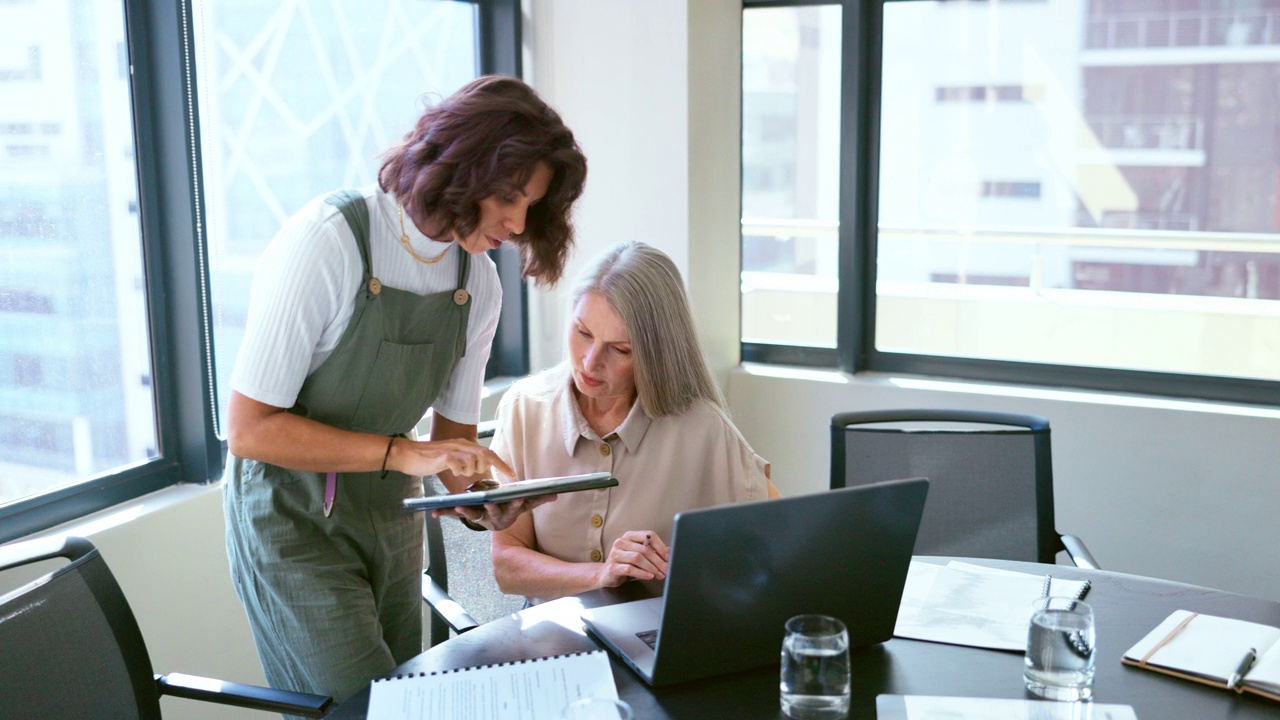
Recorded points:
1066,193
985,93
1011,189
298,99
110,163
790,174
74,327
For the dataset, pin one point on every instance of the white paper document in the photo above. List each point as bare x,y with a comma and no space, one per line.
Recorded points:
522,690
966,604
921,707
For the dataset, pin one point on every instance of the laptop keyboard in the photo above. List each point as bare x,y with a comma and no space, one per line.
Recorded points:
649,637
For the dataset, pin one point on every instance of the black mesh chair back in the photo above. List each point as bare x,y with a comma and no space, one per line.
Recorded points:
71,648
990,477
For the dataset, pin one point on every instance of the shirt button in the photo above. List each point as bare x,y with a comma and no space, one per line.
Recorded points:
596,521
595,556
604,449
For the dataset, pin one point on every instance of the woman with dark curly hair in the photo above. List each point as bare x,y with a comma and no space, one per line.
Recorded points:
367,308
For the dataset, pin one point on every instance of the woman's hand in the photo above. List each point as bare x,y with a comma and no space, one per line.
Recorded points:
462,458
495,516
639,555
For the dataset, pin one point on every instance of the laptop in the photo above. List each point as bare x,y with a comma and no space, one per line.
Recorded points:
738,572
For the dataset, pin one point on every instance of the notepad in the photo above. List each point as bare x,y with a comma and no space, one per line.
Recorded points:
519,690
1208,649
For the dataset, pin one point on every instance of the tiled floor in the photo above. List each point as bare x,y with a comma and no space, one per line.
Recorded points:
471,580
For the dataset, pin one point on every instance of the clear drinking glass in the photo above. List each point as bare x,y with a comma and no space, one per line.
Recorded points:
1060,644
597,708
815,668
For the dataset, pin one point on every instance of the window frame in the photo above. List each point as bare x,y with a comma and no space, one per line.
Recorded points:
500,53
175,258
855,351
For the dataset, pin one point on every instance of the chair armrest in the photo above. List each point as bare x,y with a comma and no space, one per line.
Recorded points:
254,697
1078,553
446,607
26,552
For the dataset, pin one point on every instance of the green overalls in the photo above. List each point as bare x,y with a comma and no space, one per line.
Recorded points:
335,600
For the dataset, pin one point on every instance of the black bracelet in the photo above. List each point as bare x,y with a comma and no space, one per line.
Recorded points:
387,455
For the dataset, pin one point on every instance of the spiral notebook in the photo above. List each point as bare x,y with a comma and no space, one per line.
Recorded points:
518,690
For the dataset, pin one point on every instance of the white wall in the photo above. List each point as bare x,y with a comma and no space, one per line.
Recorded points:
1177,490
650,90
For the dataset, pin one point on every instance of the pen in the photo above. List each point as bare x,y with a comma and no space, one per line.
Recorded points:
1084,590
1245,663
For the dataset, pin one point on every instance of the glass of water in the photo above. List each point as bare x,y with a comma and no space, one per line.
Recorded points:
1060,644
815,668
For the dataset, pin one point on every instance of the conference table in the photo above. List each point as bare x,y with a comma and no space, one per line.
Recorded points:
1126,607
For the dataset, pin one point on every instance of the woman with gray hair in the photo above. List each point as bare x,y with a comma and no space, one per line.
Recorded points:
635,398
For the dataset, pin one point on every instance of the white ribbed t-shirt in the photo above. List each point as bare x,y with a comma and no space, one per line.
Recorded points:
303,296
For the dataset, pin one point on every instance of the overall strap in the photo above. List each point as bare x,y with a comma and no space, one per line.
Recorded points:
356,212
354,208
464,267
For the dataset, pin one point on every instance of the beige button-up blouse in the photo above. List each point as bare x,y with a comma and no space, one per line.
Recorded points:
664,465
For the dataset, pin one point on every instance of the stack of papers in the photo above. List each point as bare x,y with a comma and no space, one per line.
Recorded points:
518,690
966,604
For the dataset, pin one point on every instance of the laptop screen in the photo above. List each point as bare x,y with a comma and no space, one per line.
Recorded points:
738,572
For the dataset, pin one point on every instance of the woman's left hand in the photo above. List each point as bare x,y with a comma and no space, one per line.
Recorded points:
495,516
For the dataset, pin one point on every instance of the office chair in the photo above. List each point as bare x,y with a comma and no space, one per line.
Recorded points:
990,478
70,647
447,614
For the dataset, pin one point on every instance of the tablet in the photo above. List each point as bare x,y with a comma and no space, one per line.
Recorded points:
514,491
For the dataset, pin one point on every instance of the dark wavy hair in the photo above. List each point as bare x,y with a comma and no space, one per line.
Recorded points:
487,139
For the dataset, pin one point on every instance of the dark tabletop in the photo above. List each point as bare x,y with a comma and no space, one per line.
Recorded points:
1126,608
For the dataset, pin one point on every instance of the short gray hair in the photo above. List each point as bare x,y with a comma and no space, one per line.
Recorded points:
644,287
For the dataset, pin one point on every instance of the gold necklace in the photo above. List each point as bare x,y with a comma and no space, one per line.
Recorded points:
404,240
